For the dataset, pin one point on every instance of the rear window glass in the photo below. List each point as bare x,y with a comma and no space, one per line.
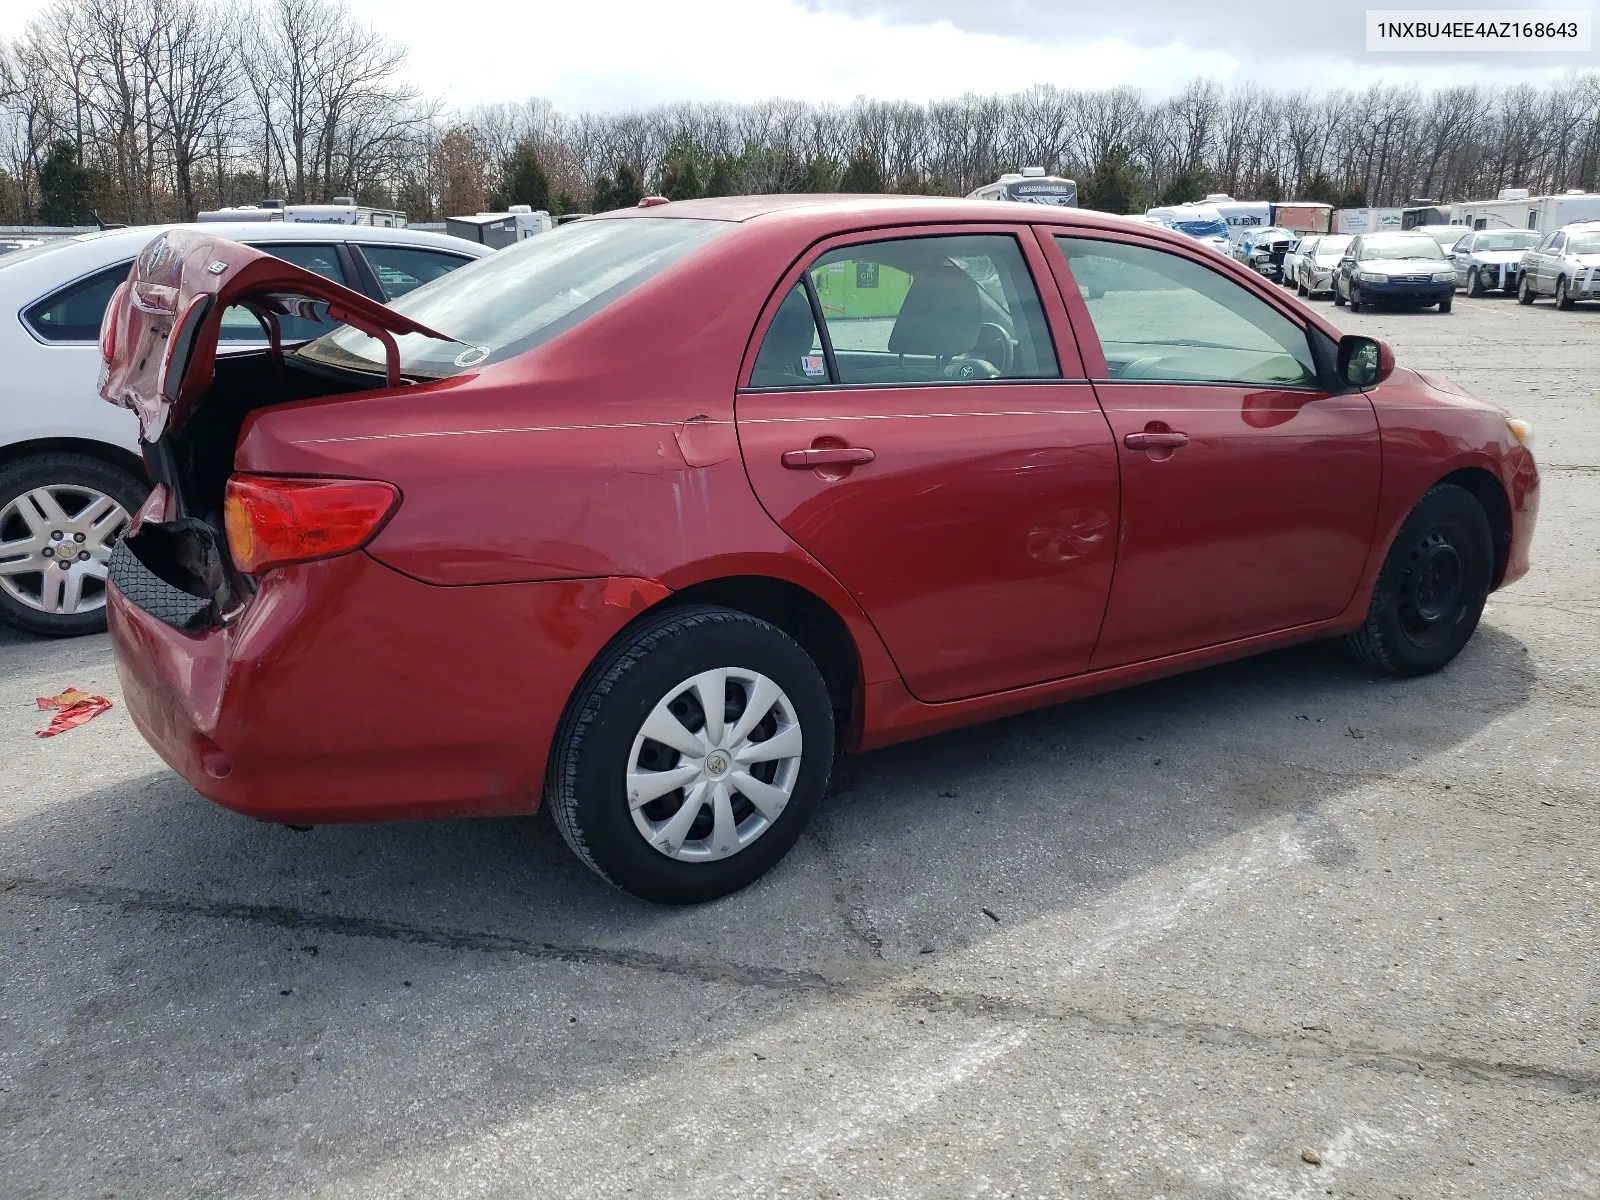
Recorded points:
73,313
520,297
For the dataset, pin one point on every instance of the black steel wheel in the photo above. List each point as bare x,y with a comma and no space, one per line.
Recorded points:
1432,588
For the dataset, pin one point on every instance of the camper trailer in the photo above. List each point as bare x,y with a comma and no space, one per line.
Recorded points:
1516,208
343,210
1031,186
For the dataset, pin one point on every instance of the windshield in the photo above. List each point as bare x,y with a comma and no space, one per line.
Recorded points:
1334,247
1506,241
1202,228
1399,246
524,295
1584,243
13,257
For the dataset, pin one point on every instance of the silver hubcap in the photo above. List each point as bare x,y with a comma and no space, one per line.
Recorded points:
714,764
55,547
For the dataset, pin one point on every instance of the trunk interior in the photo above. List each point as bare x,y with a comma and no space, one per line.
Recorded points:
194,582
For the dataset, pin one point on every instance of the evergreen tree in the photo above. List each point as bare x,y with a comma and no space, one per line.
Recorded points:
65,187
1189,186
1268,187
1320,190
821,175
1355,198
679,180
721,181
628,189
605,194
522,179
562,202
1113,185
862,174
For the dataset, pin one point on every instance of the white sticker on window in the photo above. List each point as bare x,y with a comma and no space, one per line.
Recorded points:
812,364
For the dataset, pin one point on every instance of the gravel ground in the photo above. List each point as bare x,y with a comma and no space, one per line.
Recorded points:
1274,929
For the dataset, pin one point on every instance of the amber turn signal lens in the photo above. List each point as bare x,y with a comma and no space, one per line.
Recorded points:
275,520
1521,430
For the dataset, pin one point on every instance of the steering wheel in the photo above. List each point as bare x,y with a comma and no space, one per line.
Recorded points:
995,346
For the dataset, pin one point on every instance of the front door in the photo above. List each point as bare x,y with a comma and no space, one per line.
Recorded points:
1249,490
934,447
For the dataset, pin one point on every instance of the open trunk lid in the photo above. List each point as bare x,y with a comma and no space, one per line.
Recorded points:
160,332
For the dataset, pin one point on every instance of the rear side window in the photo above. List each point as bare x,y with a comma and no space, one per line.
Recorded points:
1162,316
240,324
791,353
73,313
400,269
919,310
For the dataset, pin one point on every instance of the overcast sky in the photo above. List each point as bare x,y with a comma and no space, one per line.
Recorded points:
612,54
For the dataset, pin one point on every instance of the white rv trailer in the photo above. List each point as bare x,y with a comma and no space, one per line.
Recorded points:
1516,208
342,211
1031,186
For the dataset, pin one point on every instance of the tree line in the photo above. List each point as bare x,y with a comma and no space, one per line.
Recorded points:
147,110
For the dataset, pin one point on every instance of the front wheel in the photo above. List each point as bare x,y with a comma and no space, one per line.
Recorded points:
1300,286
1355,299
1563,298
1432,588
692,755
1474,283
1446,303
60,517
1525,293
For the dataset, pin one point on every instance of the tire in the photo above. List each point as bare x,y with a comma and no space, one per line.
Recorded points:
1563,300
1355,300
1525,292
1432,588
1475,286
60,499
1338,297
655,667
1446,303
1300,286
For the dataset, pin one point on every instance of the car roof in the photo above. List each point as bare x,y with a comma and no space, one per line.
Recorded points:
1579,227
300,231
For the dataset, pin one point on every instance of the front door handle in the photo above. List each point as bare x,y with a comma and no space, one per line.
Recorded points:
827,456
1156,440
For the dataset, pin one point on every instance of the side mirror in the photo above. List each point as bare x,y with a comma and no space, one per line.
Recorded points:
1363,361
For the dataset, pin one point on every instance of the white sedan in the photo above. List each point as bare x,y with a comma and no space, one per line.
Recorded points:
71,472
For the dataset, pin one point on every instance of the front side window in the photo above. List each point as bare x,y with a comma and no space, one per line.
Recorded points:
1162,316
523,296
920,310
73,313
402,269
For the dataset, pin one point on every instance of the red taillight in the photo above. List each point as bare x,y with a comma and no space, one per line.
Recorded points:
274,520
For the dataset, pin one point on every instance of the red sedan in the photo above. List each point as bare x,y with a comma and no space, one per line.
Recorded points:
646,516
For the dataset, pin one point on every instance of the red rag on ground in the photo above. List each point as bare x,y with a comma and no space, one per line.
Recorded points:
72,708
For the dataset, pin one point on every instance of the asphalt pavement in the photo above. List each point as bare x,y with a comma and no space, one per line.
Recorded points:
1274,929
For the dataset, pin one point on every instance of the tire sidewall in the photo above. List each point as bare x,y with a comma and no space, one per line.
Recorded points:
80,470
596,757
1460,511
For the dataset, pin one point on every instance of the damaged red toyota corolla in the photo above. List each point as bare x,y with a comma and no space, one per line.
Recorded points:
646,516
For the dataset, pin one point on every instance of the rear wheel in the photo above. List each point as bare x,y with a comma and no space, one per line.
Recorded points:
1563,299
1525,292
60,516
1432,588
692,755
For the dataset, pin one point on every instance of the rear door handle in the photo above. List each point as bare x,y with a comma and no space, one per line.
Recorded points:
1155,440
830,456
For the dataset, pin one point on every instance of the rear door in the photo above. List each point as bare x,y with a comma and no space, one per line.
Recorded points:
910,420
1249,490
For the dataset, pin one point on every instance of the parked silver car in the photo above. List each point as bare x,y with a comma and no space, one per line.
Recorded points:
1311,268
1565,265
1489,260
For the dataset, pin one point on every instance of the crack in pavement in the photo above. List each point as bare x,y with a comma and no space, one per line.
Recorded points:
1388,1058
